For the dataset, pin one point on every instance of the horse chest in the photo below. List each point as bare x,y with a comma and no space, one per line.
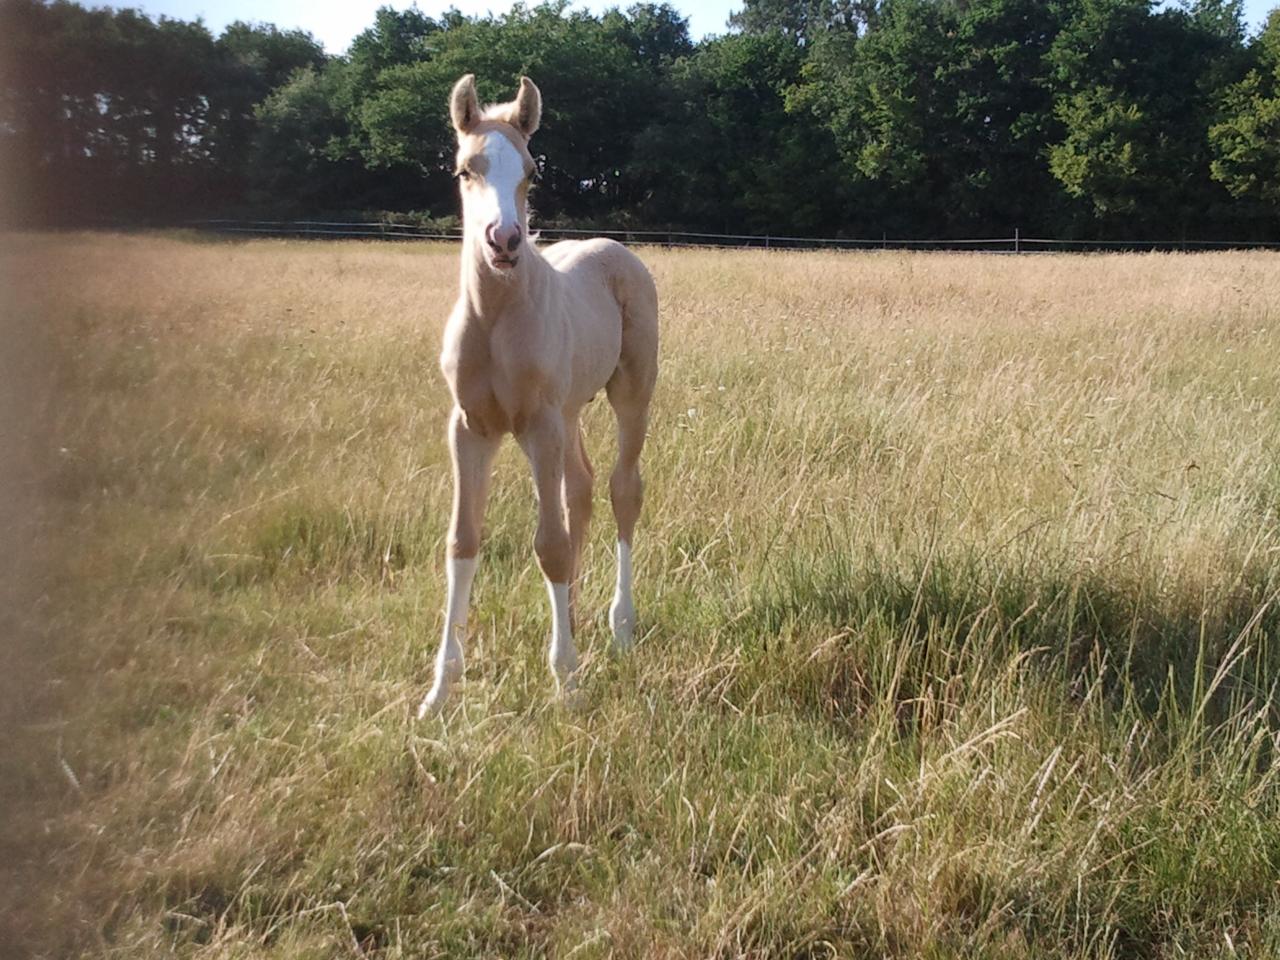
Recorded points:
498,390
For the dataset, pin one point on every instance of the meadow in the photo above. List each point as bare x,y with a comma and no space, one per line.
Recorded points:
957,583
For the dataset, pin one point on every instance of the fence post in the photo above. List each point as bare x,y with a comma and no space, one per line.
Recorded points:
1017,240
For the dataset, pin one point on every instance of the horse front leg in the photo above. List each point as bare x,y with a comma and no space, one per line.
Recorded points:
472,460
543,440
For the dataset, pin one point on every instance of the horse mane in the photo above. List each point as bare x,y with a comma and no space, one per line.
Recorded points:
524,112
501,112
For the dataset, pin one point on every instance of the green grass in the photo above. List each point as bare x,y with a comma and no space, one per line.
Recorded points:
958,580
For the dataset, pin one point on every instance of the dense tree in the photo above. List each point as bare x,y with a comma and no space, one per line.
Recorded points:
110,113
101,108
302,159
822,117
726,154
655,34
944,108
1135,96
801,21
253,60
396,37
601,81
1246,143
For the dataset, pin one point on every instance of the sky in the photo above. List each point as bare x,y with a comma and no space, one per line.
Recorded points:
335,24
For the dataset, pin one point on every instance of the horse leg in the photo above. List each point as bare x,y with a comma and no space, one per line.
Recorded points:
472,459
630,402
543,441
578,480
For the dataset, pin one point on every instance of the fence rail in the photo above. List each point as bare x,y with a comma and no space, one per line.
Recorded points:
377,230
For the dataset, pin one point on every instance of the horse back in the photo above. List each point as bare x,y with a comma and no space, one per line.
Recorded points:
608,262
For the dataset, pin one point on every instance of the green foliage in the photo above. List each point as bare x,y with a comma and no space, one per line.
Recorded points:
600,78
945,106
1246,143
911,117
804,21
110,113
301,147
1007,111
875,94
254,61
1135,95
729,155
395,38
1103,151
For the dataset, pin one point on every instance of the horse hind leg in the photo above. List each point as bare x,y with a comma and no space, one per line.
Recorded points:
629,396
544,443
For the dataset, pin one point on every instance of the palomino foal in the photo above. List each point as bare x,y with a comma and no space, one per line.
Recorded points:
534,336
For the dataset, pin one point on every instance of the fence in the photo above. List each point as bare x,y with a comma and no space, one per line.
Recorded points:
377,230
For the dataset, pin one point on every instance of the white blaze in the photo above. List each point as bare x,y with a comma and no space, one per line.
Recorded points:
506,170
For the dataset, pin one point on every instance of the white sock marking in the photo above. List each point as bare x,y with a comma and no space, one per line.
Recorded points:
563,656
449,658
622,612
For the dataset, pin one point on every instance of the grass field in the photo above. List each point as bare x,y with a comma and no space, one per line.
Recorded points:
958,586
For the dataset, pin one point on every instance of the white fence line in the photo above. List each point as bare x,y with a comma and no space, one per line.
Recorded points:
377,230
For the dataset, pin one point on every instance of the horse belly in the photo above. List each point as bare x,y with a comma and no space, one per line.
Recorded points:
597,346
596,322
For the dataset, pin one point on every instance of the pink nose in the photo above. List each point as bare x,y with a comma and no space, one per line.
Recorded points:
503,238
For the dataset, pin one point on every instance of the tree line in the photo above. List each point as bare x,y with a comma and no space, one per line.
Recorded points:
912,118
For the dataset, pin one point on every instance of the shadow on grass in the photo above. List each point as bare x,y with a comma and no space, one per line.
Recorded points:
312,543
912,627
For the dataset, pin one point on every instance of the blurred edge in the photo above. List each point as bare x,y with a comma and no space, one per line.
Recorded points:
29,793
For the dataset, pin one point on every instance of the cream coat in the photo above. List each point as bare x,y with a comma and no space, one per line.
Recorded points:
534,336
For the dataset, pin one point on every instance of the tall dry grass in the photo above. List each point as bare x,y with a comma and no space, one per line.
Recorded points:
957,581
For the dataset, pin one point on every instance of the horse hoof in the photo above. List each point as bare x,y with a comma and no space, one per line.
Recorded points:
571,699
432,703
622,622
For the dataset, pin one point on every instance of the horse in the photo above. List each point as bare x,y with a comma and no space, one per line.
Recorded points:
534,336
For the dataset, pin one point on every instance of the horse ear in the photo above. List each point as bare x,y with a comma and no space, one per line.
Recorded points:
464,105
528,111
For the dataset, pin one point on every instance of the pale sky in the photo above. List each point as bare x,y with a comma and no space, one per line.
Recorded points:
336,24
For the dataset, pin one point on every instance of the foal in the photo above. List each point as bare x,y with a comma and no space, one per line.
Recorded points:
534,335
